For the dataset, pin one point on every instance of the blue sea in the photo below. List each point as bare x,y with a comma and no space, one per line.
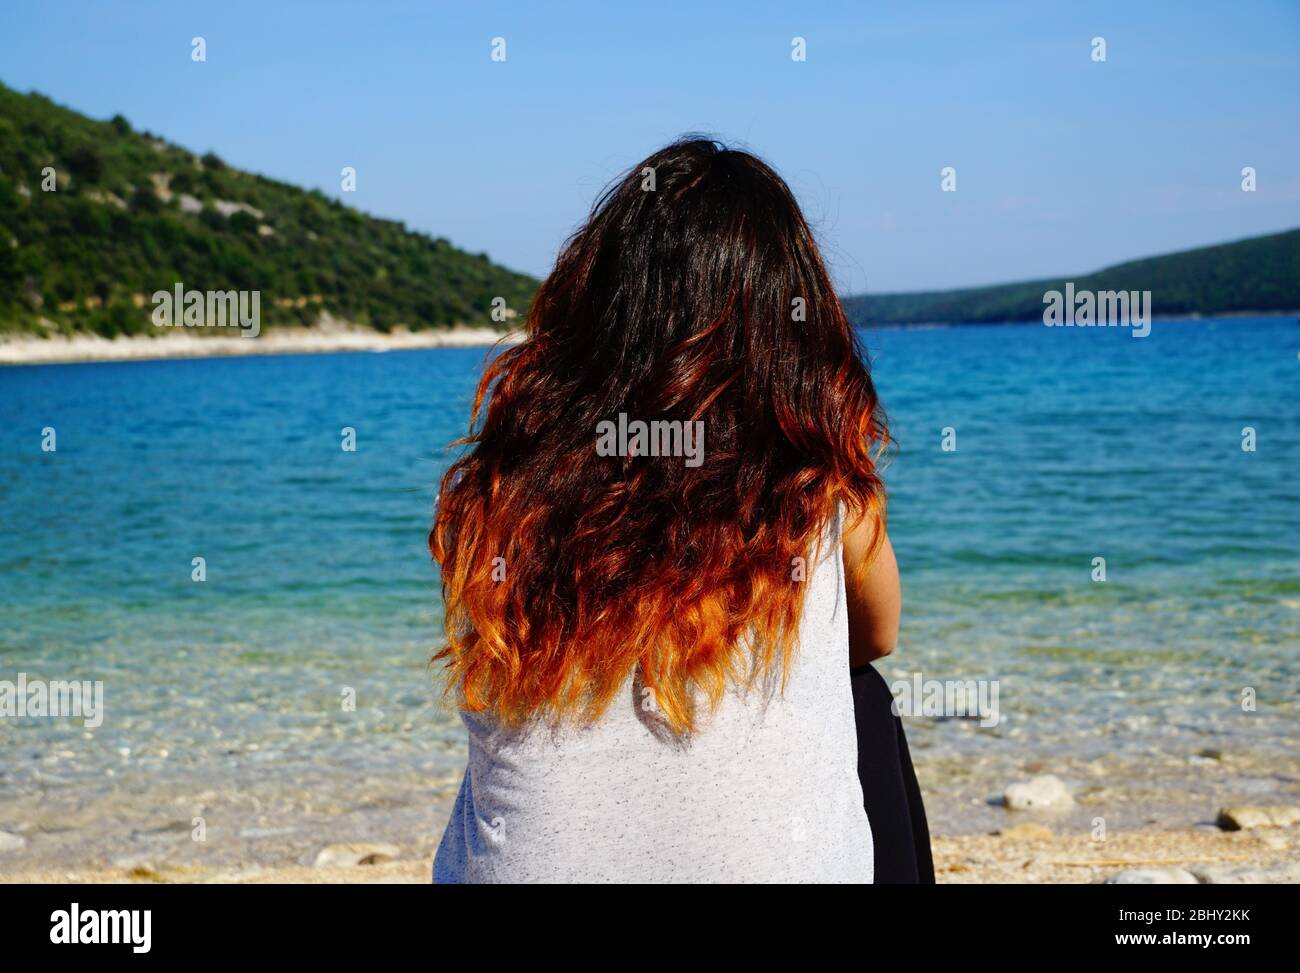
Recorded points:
288,696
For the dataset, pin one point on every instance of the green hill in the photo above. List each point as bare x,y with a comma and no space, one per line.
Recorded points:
1258,274
133,214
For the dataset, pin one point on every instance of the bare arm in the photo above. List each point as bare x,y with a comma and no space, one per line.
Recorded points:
874,594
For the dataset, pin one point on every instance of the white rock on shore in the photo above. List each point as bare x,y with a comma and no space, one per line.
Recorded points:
356,853
1245,818
1288,874
1028,831
12,842
1042,792
1153,876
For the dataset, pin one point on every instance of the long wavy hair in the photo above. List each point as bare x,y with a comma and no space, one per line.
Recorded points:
694,292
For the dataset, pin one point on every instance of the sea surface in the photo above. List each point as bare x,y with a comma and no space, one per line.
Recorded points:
287,700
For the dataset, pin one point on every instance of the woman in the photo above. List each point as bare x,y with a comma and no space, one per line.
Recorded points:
663,550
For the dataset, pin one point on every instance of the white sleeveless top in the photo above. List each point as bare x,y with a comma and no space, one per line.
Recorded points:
765,790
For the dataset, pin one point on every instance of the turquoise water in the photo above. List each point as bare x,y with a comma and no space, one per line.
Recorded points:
226,696
1073,445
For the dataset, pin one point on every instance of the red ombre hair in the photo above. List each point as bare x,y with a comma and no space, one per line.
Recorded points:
565,572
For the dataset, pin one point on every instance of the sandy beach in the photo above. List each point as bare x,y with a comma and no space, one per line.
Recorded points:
1201,855
323,338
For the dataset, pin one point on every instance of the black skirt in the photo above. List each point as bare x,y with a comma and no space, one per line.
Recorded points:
889,789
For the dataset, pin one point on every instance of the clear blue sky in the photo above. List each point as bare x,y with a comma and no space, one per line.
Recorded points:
1063,165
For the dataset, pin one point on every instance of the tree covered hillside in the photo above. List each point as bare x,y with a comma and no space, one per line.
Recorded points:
133,214
1258,274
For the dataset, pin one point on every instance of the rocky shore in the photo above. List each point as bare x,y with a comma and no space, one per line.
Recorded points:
1246,845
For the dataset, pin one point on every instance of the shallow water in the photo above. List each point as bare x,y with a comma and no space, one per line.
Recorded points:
225,698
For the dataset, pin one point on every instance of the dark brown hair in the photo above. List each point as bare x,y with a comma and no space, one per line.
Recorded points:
565,571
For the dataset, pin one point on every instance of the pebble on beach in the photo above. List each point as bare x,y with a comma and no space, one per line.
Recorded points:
12,842
356,853
1285,874
1029,831
1153,876
1044,791
1247,817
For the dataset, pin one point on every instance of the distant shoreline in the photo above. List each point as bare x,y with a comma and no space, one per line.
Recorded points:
64,349
1157,318
30,349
